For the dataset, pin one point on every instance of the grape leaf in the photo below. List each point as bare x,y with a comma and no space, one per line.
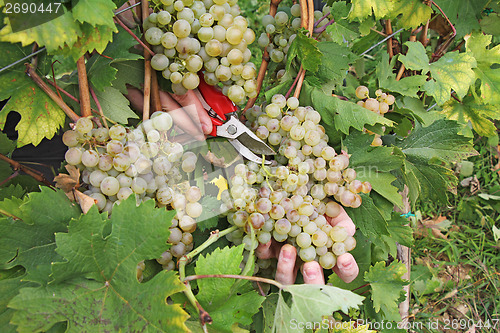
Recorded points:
424,150
40,116
305,49
341,31
415,109
387,287
368,218
226,306
414,13
99,70
95,12
361,9
477,44
334,64
373,164
129,72
407,86
93,38
30,241
400,232
11,281
339,115
114,105
98,279
491,24
6,146
54,34
210,214
11,191
452,71
463,14
476,114
309,304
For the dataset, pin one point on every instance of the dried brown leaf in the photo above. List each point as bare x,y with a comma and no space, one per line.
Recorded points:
68,182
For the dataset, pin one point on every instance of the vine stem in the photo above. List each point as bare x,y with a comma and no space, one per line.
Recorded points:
320,20
233,276
293,84
147,67
29,171
320,30
131,33
94,96
307,11
64,91
265,61
83,84
14,175
413,38
214,236
3,212
155,92
40,83
447,19
388,31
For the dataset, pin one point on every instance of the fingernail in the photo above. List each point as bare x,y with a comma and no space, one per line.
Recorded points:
310,273
346,265
287,255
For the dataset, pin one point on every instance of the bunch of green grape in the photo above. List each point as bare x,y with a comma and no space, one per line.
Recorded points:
380,105
189,36
117,163
291,199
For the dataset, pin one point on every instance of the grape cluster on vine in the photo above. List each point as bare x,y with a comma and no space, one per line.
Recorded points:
142,162
189,36
289,200
379,105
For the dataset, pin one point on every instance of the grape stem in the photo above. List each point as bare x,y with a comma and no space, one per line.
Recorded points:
99,107
214,236
320,30
131,33
388,31
320,20
147,66
14,175
233,276
83,85
293,84
29,171
40,83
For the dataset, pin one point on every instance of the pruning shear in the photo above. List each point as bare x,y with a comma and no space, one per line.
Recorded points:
226,124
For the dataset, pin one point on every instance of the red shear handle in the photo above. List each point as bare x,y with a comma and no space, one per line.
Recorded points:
214,97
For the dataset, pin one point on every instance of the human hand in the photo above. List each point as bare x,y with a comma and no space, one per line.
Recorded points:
286,272
186,110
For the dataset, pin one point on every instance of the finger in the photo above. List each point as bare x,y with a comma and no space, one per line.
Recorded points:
180,116
343,220
312,273
264,251
190,102
347,268
285,271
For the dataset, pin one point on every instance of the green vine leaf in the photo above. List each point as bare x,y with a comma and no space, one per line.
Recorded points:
226,306
424,150
54,34
361,9
305,49
374,164
475,113
210,215
407,86
368,218
93,38
309,303
40,116
115,106
339,115
95,12
478,44
387,287
98,279
30,241
463,14
342,32
453,71
413,13
11,281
